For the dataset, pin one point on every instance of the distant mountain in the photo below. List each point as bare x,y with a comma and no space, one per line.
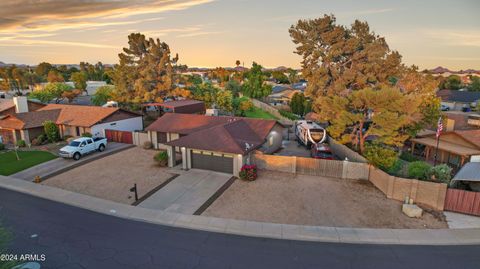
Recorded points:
441,70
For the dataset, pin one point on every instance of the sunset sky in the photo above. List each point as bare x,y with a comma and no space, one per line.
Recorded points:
210,33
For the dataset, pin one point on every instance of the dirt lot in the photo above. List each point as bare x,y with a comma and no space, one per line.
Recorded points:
112,177
310,200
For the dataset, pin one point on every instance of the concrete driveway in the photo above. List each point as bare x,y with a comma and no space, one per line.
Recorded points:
54,167
112,177
188,192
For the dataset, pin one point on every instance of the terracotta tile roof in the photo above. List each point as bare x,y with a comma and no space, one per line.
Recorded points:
83,116
223,134
6,104
10,122
29,120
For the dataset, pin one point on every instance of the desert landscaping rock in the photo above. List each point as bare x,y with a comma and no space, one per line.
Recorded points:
112,177
413,211
311,200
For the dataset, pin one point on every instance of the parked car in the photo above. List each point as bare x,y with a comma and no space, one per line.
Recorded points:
321,151
444,108
82,146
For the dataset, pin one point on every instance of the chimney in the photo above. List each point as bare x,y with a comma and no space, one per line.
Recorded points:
21,104
450,125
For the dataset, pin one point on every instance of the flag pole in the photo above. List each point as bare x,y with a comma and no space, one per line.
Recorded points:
436,151
439,132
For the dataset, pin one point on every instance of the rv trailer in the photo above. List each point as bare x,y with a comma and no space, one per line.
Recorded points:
309,132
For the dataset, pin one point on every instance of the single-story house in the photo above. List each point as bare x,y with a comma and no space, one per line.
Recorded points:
454,148
9,107
215,143
457,100
187,106
72,120
282,98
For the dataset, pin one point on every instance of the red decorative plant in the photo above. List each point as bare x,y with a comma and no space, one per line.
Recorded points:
248,172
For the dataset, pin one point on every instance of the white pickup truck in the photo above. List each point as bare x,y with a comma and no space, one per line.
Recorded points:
82,146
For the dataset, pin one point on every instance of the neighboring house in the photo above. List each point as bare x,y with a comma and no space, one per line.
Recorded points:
214,143
454,148
75,120
457,100
458,120
178,106
8,107
72,120
25,126
282,98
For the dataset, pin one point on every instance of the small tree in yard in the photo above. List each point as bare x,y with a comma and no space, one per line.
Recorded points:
51,130
380,156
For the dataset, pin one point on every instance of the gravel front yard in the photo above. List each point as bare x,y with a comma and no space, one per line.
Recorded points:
111,177
310,200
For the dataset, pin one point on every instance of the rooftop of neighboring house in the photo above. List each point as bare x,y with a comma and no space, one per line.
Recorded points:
28,120
6,104
224,134
280,88
462,142
458,96
83,116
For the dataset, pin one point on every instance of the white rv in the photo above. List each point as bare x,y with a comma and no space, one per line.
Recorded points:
309,132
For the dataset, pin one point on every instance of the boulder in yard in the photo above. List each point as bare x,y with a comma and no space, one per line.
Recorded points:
413,211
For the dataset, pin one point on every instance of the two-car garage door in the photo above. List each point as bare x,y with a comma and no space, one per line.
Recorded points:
212,161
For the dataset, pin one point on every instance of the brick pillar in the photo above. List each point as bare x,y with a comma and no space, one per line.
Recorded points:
391,184
413,190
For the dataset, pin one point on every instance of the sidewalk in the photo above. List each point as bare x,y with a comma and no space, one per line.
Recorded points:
248,228
59,165
461,221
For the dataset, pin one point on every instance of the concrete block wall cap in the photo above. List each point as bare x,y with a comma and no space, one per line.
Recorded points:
249,228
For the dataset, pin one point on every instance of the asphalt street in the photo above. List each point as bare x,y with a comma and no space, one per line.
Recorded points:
71,237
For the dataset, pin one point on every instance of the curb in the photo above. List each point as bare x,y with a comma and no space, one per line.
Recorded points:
248,228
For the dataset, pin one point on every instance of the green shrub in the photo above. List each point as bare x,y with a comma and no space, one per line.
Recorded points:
289,115
87,134
161,158
380,156
42,138
407,156
21,143
2,146
419,170
51,130
442,173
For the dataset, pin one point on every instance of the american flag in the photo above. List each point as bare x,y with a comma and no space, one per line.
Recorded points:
439,126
